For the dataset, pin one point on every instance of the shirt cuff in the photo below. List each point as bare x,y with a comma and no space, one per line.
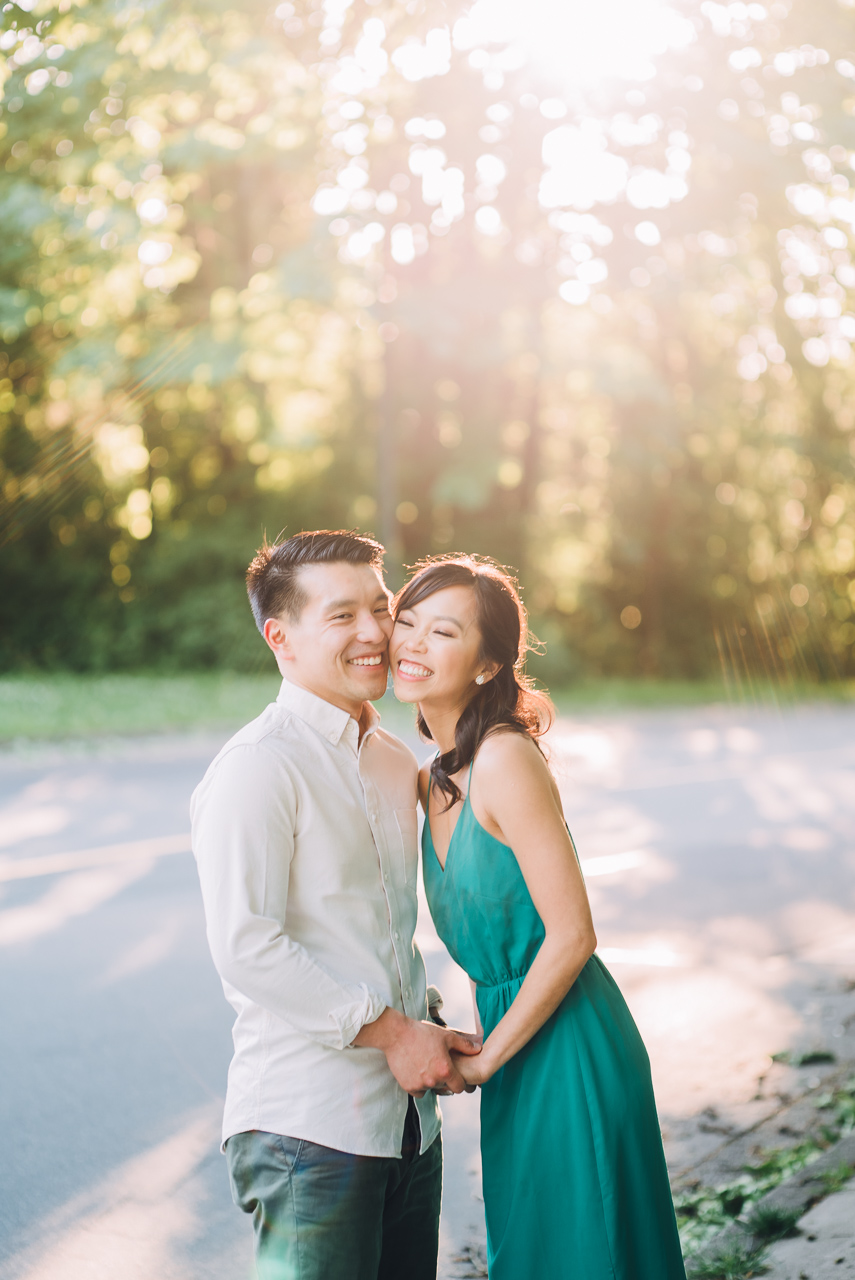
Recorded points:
350,1019
434,999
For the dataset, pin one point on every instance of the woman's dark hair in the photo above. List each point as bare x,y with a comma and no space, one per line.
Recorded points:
508,701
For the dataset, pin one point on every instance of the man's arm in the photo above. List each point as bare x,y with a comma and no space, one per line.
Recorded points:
244,816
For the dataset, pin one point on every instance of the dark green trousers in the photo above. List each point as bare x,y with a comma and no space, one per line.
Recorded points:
321,1214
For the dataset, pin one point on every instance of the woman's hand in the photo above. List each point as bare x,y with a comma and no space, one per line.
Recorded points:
475,1070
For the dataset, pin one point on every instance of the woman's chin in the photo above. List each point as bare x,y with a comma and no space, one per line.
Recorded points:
404,691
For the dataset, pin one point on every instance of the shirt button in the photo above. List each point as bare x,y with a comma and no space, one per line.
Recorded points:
397,936
385,875
374,817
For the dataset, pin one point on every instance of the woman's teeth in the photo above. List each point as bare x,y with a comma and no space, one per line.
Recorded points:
412,669
374,661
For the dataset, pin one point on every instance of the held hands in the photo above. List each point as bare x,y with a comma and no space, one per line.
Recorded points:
421,1055
475,1071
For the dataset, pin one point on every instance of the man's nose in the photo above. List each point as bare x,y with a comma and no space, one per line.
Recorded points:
371,629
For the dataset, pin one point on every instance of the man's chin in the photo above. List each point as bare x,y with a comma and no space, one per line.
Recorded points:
371,688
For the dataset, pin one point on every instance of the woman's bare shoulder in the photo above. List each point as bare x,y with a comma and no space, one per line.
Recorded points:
505,749
511,774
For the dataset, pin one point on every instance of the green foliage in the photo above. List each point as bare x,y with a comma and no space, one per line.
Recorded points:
736,1263
703,1211
779,1163
816,1057
835,1179
56,706
768,1223
39,705
234,299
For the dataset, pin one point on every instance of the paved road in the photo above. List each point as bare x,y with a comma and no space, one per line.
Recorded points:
719,851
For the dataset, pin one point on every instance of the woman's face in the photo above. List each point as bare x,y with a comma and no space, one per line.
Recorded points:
435,648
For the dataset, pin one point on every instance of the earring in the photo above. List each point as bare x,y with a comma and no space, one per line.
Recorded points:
480,679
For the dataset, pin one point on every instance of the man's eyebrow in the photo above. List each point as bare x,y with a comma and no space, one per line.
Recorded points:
352,604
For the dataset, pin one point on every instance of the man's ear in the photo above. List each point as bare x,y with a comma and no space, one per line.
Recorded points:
276,635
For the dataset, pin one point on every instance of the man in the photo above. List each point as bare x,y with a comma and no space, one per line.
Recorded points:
304,832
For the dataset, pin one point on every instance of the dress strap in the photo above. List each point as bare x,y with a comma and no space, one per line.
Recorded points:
469,778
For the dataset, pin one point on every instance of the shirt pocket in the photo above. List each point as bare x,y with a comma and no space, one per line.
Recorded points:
408,830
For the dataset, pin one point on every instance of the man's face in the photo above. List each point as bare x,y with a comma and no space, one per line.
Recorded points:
338,647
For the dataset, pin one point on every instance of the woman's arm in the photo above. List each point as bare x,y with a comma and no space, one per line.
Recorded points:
518,799
475,1012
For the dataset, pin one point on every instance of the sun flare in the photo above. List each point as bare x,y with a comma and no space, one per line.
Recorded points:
573,43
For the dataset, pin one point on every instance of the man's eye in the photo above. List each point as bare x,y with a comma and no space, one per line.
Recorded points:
447,634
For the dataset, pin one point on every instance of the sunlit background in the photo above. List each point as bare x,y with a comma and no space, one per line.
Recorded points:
568,284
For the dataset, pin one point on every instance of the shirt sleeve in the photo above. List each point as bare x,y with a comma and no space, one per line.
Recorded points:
244,815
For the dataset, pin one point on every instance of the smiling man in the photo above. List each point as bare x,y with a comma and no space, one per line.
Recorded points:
304,832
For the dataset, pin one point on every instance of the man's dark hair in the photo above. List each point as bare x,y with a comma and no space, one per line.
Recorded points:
273,577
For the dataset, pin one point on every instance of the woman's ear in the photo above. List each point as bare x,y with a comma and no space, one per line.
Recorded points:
488,672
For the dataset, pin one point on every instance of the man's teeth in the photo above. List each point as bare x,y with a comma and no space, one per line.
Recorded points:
411,669
374,661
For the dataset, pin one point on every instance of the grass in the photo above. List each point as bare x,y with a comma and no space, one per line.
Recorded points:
836,1179
67,706
56,706
731,1264
613,694
769,1224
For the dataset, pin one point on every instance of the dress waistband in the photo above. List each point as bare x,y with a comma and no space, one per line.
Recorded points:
503,982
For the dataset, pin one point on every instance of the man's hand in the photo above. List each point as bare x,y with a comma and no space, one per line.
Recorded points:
419,1054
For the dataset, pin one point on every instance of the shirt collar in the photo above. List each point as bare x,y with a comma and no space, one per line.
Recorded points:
327,720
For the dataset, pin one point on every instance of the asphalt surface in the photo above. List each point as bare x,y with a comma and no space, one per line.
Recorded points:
719,851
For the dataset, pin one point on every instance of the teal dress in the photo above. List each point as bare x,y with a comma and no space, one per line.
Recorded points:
575,1182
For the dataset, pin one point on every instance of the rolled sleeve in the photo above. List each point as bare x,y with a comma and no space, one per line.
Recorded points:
244,820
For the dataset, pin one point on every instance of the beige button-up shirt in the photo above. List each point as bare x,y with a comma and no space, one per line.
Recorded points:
306,845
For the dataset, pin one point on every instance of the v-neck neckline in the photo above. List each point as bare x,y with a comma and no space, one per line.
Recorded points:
442,865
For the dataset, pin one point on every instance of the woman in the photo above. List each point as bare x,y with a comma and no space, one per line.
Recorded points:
575,1183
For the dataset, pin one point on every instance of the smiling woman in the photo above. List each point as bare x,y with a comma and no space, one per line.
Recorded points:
460,641
566,1087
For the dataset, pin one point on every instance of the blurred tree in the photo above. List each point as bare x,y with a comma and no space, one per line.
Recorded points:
409,267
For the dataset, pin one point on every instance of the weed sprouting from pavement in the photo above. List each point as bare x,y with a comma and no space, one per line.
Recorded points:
734,1263
703,1211
836,1179
768,1223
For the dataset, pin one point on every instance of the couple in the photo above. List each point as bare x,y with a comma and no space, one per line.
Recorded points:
305,835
